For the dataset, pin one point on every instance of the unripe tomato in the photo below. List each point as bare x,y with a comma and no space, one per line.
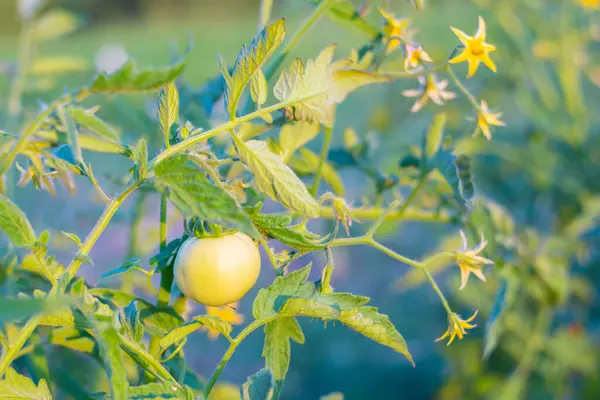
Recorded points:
217,270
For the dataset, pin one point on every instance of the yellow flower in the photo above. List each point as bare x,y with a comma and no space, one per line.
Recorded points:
457,327
485,118
415,57
430,88
394,30
470,262
589,4
476,50
226,313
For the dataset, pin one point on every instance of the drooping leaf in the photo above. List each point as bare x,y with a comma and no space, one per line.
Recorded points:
17,387
370,323
259,386
127,80
250,60
276,350
15,224
295,135
87,119
191,192
72,133
88,142
112,356
276,179
343,12
298,237
493,328
259,90
73,237
131,264
168,108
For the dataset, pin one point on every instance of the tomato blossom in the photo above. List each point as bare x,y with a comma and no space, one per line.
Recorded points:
486,118
457,327
415,57
470,262
430,88
394,30
476,50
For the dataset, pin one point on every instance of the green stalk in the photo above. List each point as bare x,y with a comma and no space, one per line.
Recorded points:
232,347
322,160
464,90
166,276
136,219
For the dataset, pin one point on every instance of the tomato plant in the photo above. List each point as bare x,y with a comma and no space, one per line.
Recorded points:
223,179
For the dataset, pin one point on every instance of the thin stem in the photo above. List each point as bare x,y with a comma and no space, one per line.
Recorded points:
322,160
232,347
298,35
393,254
382,218
270,255
464,90
11,353
371,213
395,74
413,194
266,6
197,137
150,362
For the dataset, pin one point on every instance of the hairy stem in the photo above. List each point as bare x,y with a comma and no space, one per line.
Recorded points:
372,213
322,159
464,90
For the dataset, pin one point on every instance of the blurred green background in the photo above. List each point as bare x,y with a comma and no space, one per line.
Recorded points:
536,167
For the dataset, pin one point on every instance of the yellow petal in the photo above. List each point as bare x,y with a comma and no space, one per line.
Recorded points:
485,58
472,316
464,56
481,30
485,128
478,273
473,65
464,276
463,37
444,336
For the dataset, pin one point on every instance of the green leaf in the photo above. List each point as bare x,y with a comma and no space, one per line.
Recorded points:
190,191
88,142
168,108
127,80
276,179
295,135
277,350
344,12
435,134
17,387
368,322
250,60
73,237
259,386
132,263
129,318
159,391
14,222
181,332
87,119
292,284
112,357
298,237
493,328
259,90
16,309
157,321
317,87
72,133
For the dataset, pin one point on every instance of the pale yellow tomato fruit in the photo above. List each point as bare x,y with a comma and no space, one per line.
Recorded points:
217,271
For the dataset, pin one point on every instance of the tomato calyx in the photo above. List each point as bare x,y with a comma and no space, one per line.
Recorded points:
195,227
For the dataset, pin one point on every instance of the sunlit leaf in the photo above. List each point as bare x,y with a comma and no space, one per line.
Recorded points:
16,387
295,135
259,90
87,119
250,60
127,80
72,133
15,224
181,332
168,108
194,195
276,350
112,357
276,179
